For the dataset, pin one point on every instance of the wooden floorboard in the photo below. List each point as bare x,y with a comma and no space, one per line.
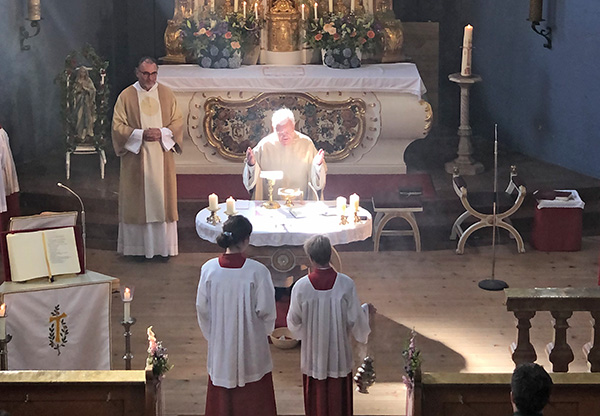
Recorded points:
460,327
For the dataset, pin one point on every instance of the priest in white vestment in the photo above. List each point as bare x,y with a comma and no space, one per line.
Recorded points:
9,184
147,130
289,151
324,312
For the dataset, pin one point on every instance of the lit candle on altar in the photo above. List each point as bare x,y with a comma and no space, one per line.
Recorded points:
316,16
3,321
213,200
230,203
256,10
352,5
340,205
236,4
354,202
127,304
330,6
465,67
244,7
302,7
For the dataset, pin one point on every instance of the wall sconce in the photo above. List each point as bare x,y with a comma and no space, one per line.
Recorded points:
535,17
34,14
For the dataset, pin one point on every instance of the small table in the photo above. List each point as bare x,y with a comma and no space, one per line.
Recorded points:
557,224
283,231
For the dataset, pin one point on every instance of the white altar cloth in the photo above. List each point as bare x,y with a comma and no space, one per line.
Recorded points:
278,227
389,78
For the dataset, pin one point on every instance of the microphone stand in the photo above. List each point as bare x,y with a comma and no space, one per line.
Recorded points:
83,235
493,284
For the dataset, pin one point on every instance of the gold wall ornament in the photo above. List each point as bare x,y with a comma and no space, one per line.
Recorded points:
428,117
173,44
393,35
283,27
338,127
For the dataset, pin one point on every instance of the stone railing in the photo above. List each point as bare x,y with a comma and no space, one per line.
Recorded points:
561,303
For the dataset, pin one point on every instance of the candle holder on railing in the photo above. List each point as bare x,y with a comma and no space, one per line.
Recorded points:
127,322
213,218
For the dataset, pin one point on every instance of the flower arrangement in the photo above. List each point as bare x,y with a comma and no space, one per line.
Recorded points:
220,42
157,355
412,361
341,35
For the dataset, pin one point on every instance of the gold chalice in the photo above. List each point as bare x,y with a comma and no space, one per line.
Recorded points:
271,176
289,194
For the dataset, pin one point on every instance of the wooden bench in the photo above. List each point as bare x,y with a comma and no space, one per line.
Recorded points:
393,205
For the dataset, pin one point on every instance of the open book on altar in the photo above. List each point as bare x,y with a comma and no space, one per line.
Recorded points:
43,253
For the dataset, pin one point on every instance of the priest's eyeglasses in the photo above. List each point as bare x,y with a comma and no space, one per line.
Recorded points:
149,74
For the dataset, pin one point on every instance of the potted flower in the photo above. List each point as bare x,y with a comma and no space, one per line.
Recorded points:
220,42
343,37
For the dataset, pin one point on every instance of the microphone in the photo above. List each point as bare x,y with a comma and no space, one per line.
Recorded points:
83,236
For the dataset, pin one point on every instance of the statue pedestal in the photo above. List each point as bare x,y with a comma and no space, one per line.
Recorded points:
464,162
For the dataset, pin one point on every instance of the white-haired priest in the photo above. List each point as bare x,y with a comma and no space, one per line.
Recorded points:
287,150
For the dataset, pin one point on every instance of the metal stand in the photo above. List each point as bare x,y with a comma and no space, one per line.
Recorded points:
128,355
4,352
465,163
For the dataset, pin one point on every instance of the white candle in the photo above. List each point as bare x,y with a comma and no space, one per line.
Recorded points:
127,295
244,6
236,5
340,204
302,7
465,67
126,304
213,200
230,206
212,6
256,10
354,202
352,5
34,11
3,321
316,16
330,6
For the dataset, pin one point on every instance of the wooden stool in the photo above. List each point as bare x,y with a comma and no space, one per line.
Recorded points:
395,206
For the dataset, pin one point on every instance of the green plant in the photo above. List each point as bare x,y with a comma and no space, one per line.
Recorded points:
157,355
412,361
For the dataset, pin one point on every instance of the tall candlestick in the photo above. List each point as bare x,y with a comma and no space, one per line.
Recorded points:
465,67
354,202
316,16
34,11
302,7
256,10
213,199
230,203
352,5
236,5
330,6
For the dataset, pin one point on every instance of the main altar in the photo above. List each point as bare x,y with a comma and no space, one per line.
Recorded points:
364,118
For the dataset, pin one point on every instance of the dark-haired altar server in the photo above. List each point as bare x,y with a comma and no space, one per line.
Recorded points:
324,313
236,312
147,130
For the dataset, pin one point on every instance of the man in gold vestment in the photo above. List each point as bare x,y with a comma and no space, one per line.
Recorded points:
147,129
289,151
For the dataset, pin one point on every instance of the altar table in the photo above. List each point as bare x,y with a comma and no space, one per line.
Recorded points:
395,112
284,234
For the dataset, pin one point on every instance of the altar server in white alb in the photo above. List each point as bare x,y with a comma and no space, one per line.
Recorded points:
9,184
289,151
324,312
147,130
236,312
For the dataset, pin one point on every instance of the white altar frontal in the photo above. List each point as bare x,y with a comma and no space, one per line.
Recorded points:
377,109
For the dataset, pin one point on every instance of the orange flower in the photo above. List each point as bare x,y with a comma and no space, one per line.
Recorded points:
208,33
227,35
370,34
235,45
362,40
353,34
318,36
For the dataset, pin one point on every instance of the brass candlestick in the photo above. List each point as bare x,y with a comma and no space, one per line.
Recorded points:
128,355
213,218
270,204
356,218
343,219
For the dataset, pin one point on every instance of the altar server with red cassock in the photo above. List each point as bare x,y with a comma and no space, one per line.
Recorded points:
324,312
236,312
289,151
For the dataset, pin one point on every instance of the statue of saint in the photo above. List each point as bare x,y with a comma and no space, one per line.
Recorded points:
84,93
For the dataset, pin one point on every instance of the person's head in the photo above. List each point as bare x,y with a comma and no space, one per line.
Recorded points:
530,388
146,72
82,73
318,250
236,233
284,125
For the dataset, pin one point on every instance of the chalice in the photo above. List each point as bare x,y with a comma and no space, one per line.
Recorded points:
289,194
271,176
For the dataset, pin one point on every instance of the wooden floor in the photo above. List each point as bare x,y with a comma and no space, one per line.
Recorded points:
460,327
